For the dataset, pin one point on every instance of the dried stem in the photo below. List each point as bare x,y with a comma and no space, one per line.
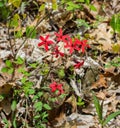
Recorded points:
30,34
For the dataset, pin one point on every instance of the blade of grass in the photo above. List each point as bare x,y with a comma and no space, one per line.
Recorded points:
97,106
111,116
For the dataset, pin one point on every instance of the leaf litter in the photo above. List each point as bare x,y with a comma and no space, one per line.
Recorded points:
105,83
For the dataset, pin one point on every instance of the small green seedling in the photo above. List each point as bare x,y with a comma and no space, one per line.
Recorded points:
80,102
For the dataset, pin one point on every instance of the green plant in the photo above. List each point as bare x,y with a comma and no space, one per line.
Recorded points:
13,108
99,109
25,89
78,4
4,9
115,23
81,22
41,108
80,102
115,63
9,67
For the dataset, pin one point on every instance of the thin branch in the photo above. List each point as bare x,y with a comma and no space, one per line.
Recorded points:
10,42
30,34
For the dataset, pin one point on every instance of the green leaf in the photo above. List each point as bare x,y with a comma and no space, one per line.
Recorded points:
37,116
44,115
42,7
97,106
1,98
18,34
62,96
5,69
15,3
15,21
6,123
38,106
30,32
116,48
71,6
1,4
31,91
115,22
87,1
19,60
92,7
111,116
47,107
28,84
54,5
61,73
8,63
23,80
10,71
82,1
81,22
4,12
35,97
33,65
14,104
14,122
39,94
80,102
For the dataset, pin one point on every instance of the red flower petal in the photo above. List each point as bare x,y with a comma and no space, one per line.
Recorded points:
45,42
78,64
42,38
39,44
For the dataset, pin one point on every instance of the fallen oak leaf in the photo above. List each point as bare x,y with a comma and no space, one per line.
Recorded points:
6,88
101,95
57,116
5,105
101,83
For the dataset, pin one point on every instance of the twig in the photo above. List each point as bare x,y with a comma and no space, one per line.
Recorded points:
10,42
13,54
30,34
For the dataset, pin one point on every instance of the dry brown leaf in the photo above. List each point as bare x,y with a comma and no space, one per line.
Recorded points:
6,88
102,35
109,72
69,125
57,116
116,78
112,103
5,105
101,83
97,5
101,95
72,101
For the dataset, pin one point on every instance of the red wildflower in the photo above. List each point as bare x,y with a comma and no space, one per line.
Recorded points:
84,45
45,42
73,45
59,87
78,64
61,37
54,87
57,52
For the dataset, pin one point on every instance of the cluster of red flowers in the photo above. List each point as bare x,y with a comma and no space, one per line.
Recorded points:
57,87
70,44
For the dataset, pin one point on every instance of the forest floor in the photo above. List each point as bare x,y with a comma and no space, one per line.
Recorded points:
100,72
